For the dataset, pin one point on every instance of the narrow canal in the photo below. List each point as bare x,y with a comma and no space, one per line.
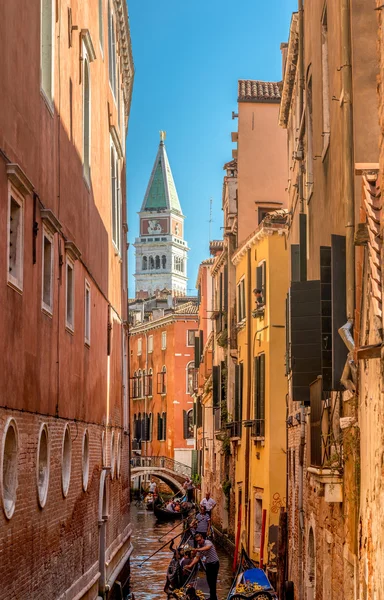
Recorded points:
148,581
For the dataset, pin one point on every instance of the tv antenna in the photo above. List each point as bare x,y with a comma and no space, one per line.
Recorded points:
210,221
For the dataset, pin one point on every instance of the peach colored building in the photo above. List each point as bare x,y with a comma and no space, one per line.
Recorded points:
67,76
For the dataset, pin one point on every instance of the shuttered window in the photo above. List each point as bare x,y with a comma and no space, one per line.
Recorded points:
241,301
161,426
261,280
259,395
315,420
238,398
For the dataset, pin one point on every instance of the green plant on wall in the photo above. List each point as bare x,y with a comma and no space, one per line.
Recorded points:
196,479
226,487
226,443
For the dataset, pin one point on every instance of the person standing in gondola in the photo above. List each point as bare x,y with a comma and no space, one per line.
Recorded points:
206,551
209,503
189,488
202,523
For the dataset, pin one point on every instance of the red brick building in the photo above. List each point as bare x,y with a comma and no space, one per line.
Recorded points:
64,414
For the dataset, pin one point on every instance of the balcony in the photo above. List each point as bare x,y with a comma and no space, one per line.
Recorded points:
234,430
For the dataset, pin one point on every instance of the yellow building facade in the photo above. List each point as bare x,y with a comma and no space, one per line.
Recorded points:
258,431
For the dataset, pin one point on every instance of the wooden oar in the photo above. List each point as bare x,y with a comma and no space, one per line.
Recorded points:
166,544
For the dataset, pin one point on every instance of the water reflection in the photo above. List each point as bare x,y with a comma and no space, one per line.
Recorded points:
148,582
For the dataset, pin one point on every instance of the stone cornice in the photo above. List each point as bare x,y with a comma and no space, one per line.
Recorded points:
125,48
289,72
159,323
262,232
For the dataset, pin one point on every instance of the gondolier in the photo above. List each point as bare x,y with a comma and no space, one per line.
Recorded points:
207,553
208,503
202,523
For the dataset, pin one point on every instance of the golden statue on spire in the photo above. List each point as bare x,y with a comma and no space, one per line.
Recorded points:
163,135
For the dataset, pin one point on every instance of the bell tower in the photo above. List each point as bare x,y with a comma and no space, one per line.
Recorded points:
161,251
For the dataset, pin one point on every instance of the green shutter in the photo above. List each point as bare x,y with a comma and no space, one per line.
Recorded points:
194,462
164,426
185,424
216,386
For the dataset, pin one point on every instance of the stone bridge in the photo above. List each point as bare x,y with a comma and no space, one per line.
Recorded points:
168,470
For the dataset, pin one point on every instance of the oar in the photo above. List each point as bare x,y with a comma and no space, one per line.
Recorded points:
177,525
166,544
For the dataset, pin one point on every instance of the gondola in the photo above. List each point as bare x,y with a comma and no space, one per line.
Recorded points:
250,583
163,514
177,586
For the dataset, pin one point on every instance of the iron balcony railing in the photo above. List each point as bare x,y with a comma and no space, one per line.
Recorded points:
161,462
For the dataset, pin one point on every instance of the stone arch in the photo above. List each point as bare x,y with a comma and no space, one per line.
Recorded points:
311,565
175,485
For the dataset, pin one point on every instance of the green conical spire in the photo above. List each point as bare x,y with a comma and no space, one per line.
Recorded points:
161,193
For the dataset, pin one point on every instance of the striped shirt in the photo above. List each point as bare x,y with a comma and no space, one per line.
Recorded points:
202,523
210,555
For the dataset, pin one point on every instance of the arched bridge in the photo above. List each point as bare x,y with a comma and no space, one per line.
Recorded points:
168,470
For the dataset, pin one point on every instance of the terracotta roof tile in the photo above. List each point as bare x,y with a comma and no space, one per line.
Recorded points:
189,308
250,90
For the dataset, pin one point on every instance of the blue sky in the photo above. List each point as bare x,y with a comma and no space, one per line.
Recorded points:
188,57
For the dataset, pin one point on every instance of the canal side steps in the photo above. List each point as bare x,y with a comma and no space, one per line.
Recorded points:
168,470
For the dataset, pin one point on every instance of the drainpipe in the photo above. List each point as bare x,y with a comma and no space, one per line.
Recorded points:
347,154
301,506
248,400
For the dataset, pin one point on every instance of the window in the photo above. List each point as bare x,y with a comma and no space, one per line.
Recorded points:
103,450
47,47
241,301
139,346
325,82
145,263
111,49
85,460
150,344
261,284
86,116
139,384
188,424
164,261
258,523
162,426
309,140
238,412
87,315
157,262
70,295
9,461
263,212
15,239
259,396
191,378
101,25
43,466
112,454
151,263
118,459
116,198
66,461
150,382
163,340
191,333
47,272
161,381
178,264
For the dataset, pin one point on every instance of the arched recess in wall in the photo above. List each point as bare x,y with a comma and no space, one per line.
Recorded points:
164,261
144,265
311,566
9,460
157,262
151,263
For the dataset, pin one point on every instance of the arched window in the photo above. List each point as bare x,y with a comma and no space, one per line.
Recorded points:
66,461
150,382
191,378
164,261
151,263
138,424
150,420
139,384
43,455
85,459
86,119
8,473
188,424
144,377
157,262
113,456
145,263
311,561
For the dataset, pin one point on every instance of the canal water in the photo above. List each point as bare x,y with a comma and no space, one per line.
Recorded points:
147,582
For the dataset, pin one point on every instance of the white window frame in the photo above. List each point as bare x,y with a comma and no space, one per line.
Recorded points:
194,335
86,65
47,235
163,340
116,202
69,324
16,281
42,492
139,346
150,344
47,91
66,475
241,287
87,313
9,505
